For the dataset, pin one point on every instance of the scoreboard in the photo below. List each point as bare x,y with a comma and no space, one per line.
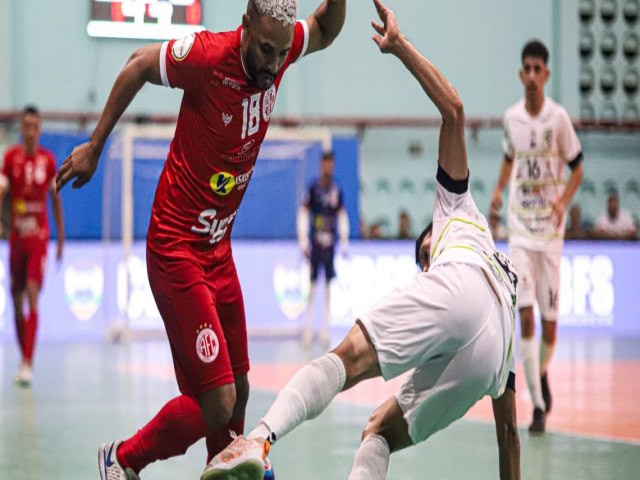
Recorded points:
145,19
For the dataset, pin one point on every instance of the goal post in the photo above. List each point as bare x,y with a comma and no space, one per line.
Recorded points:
131,147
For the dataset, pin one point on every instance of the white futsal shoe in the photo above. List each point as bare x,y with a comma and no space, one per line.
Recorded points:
243,459
110,468
24,375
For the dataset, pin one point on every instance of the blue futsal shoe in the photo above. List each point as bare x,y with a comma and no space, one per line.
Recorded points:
268,470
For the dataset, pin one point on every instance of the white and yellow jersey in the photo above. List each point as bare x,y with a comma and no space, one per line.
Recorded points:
540,148
461,234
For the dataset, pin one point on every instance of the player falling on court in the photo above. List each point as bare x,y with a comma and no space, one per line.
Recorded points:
453,327
230,81
28,174
322,210
539,142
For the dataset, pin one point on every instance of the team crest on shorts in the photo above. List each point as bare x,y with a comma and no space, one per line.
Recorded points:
207,344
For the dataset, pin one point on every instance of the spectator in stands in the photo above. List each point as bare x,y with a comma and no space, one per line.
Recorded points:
404,226
576,230
498,230
615,224
375,232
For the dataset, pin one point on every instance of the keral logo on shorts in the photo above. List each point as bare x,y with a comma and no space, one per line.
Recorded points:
207,345
182,47
222,183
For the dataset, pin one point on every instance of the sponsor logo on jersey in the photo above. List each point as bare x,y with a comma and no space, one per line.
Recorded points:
222,183
182,47
19,206
207,344
231,83
212,226
226,119
242,180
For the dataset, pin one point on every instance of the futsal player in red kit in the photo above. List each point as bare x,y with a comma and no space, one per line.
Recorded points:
28,174
230,81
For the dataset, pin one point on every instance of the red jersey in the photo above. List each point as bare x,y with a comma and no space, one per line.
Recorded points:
222,122
29,178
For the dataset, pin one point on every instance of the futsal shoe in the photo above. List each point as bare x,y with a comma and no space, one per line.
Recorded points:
538,423
24,375
268,470
110,468
546,393
243,459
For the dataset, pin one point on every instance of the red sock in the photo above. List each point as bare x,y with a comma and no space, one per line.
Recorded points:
217,441
20,332
177,426
30,330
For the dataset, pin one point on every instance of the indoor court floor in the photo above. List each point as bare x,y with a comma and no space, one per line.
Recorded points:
86,394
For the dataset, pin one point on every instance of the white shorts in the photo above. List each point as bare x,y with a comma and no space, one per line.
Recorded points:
538,279
450,328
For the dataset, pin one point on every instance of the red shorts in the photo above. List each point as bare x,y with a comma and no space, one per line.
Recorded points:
203,313
27,262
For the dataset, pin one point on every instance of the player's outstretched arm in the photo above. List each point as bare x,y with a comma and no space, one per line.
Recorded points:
325,24
504,413
143,66
452,150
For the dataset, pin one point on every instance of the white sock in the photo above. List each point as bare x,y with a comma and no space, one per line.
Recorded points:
306,395
372,459
546,354
530,362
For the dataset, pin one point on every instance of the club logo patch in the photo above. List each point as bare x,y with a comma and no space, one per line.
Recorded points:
207,345
268,102
222,183
182,47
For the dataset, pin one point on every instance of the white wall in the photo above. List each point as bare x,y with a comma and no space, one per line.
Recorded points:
476,43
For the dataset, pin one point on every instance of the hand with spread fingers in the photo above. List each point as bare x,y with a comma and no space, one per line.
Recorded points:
388,34
81,165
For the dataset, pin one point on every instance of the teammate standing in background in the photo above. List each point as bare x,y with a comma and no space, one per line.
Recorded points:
323,208
230,81
539,143
453,327
28,174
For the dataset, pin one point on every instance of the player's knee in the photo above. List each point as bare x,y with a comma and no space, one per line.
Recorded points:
373,426
217,406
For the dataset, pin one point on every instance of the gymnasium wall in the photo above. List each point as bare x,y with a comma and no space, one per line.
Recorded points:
48,59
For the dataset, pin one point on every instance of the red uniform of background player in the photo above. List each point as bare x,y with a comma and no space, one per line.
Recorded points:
230,81
27,174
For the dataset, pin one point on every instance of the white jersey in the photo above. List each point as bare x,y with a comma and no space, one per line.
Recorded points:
621,225
461,234
540,148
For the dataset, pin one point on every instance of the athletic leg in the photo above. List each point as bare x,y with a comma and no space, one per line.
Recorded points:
306,395
201,362
549,299
314,264
311,390
386,432
526,262
31,321
330,274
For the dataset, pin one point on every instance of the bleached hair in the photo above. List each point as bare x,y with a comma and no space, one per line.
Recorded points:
285,11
